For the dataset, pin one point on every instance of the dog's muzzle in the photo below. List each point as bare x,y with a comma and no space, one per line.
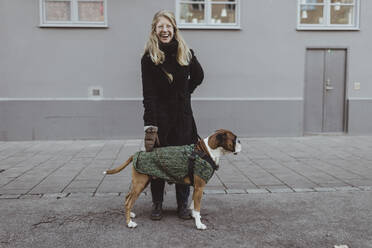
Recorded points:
238,147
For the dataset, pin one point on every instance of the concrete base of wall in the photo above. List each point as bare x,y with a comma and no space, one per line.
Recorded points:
118,119
360,116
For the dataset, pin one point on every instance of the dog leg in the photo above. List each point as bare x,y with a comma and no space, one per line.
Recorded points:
131,198
196,211
128,205
198,223
197,196
192,205
139,182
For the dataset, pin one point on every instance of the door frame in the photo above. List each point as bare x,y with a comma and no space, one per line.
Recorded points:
346,76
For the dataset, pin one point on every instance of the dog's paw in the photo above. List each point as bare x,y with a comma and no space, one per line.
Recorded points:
192,205
105,172
132,215
195,214
201,226
132,224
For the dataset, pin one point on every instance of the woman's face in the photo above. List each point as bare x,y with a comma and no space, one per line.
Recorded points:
164,30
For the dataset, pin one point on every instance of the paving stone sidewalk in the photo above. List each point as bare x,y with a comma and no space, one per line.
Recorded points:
266,165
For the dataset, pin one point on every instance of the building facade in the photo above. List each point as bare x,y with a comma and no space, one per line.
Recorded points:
71,69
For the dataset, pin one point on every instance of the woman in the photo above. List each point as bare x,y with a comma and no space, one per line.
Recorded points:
170,73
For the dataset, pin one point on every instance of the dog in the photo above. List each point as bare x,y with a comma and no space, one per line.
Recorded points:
205,152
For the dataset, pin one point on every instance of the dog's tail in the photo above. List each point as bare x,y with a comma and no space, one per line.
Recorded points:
120,168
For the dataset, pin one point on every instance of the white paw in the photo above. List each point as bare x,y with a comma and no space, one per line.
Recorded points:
132,224
191,206
132,215
105,172
195,214
201,226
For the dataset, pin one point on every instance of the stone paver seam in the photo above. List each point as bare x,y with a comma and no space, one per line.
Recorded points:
4,145
317,148
273,175
349,171
30,168
250,180
54,169
276,148
341,180
21,150
295,171
59,167
77,174
113,162
318,169
283,164
301,150
211,192
21,160
254,162
355,147
367,164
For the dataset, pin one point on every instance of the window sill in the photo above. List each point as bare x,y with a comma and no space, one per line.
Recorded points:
329,28
77,25
214,27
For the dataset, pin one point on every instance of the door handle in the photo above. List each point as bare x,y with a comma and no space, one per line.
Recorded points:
328,85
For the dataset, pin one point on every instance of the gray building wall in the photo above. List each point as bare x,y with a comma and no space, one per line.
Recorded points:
254,77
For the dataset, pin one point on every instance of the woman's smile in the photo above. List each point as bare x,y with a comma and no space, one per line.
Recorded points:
164,30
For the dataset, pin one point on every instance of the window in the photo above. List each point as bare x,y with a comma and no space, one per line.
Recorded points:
73,13
213,14
328,14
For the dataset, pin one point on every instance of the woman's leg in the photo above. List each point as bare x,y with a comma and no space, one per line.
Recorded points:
182,194
157,192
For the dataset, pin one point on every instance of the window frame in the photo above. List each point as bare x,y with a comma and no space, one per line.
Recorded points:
327,16
208,17
74,16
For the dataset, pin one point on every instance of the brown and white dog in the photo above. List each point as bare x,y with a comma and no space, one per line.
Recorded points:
220,143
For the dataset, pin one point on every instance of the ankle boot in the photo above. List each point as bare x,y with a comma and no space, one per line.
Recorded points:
183,212
156,212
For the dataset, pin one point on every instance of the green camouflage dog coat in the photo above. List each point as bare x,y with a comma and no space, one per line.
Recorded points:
171,163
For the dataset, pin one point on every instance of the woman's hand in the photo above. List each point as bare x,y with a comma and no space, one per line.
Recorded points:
151,138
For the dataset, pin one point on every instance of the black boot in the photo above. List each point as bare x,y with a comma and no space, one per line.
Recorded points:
156,212
183,212
182,194
157,192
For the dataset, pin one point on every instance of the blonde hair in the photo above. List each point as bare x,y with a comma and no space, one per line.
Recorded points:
152,46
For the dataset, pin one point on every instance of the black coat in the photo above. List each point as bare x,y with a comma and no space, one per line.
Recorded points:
167,104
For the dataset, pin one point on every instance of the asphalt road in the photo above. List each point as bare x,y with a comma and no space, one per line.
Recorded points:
311,219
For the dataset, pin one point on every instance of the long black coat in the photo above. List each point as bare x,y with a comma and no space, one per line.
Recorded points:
167,104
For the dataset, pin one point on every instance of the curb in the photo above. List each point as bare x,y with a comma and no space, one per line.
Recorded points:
206,192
